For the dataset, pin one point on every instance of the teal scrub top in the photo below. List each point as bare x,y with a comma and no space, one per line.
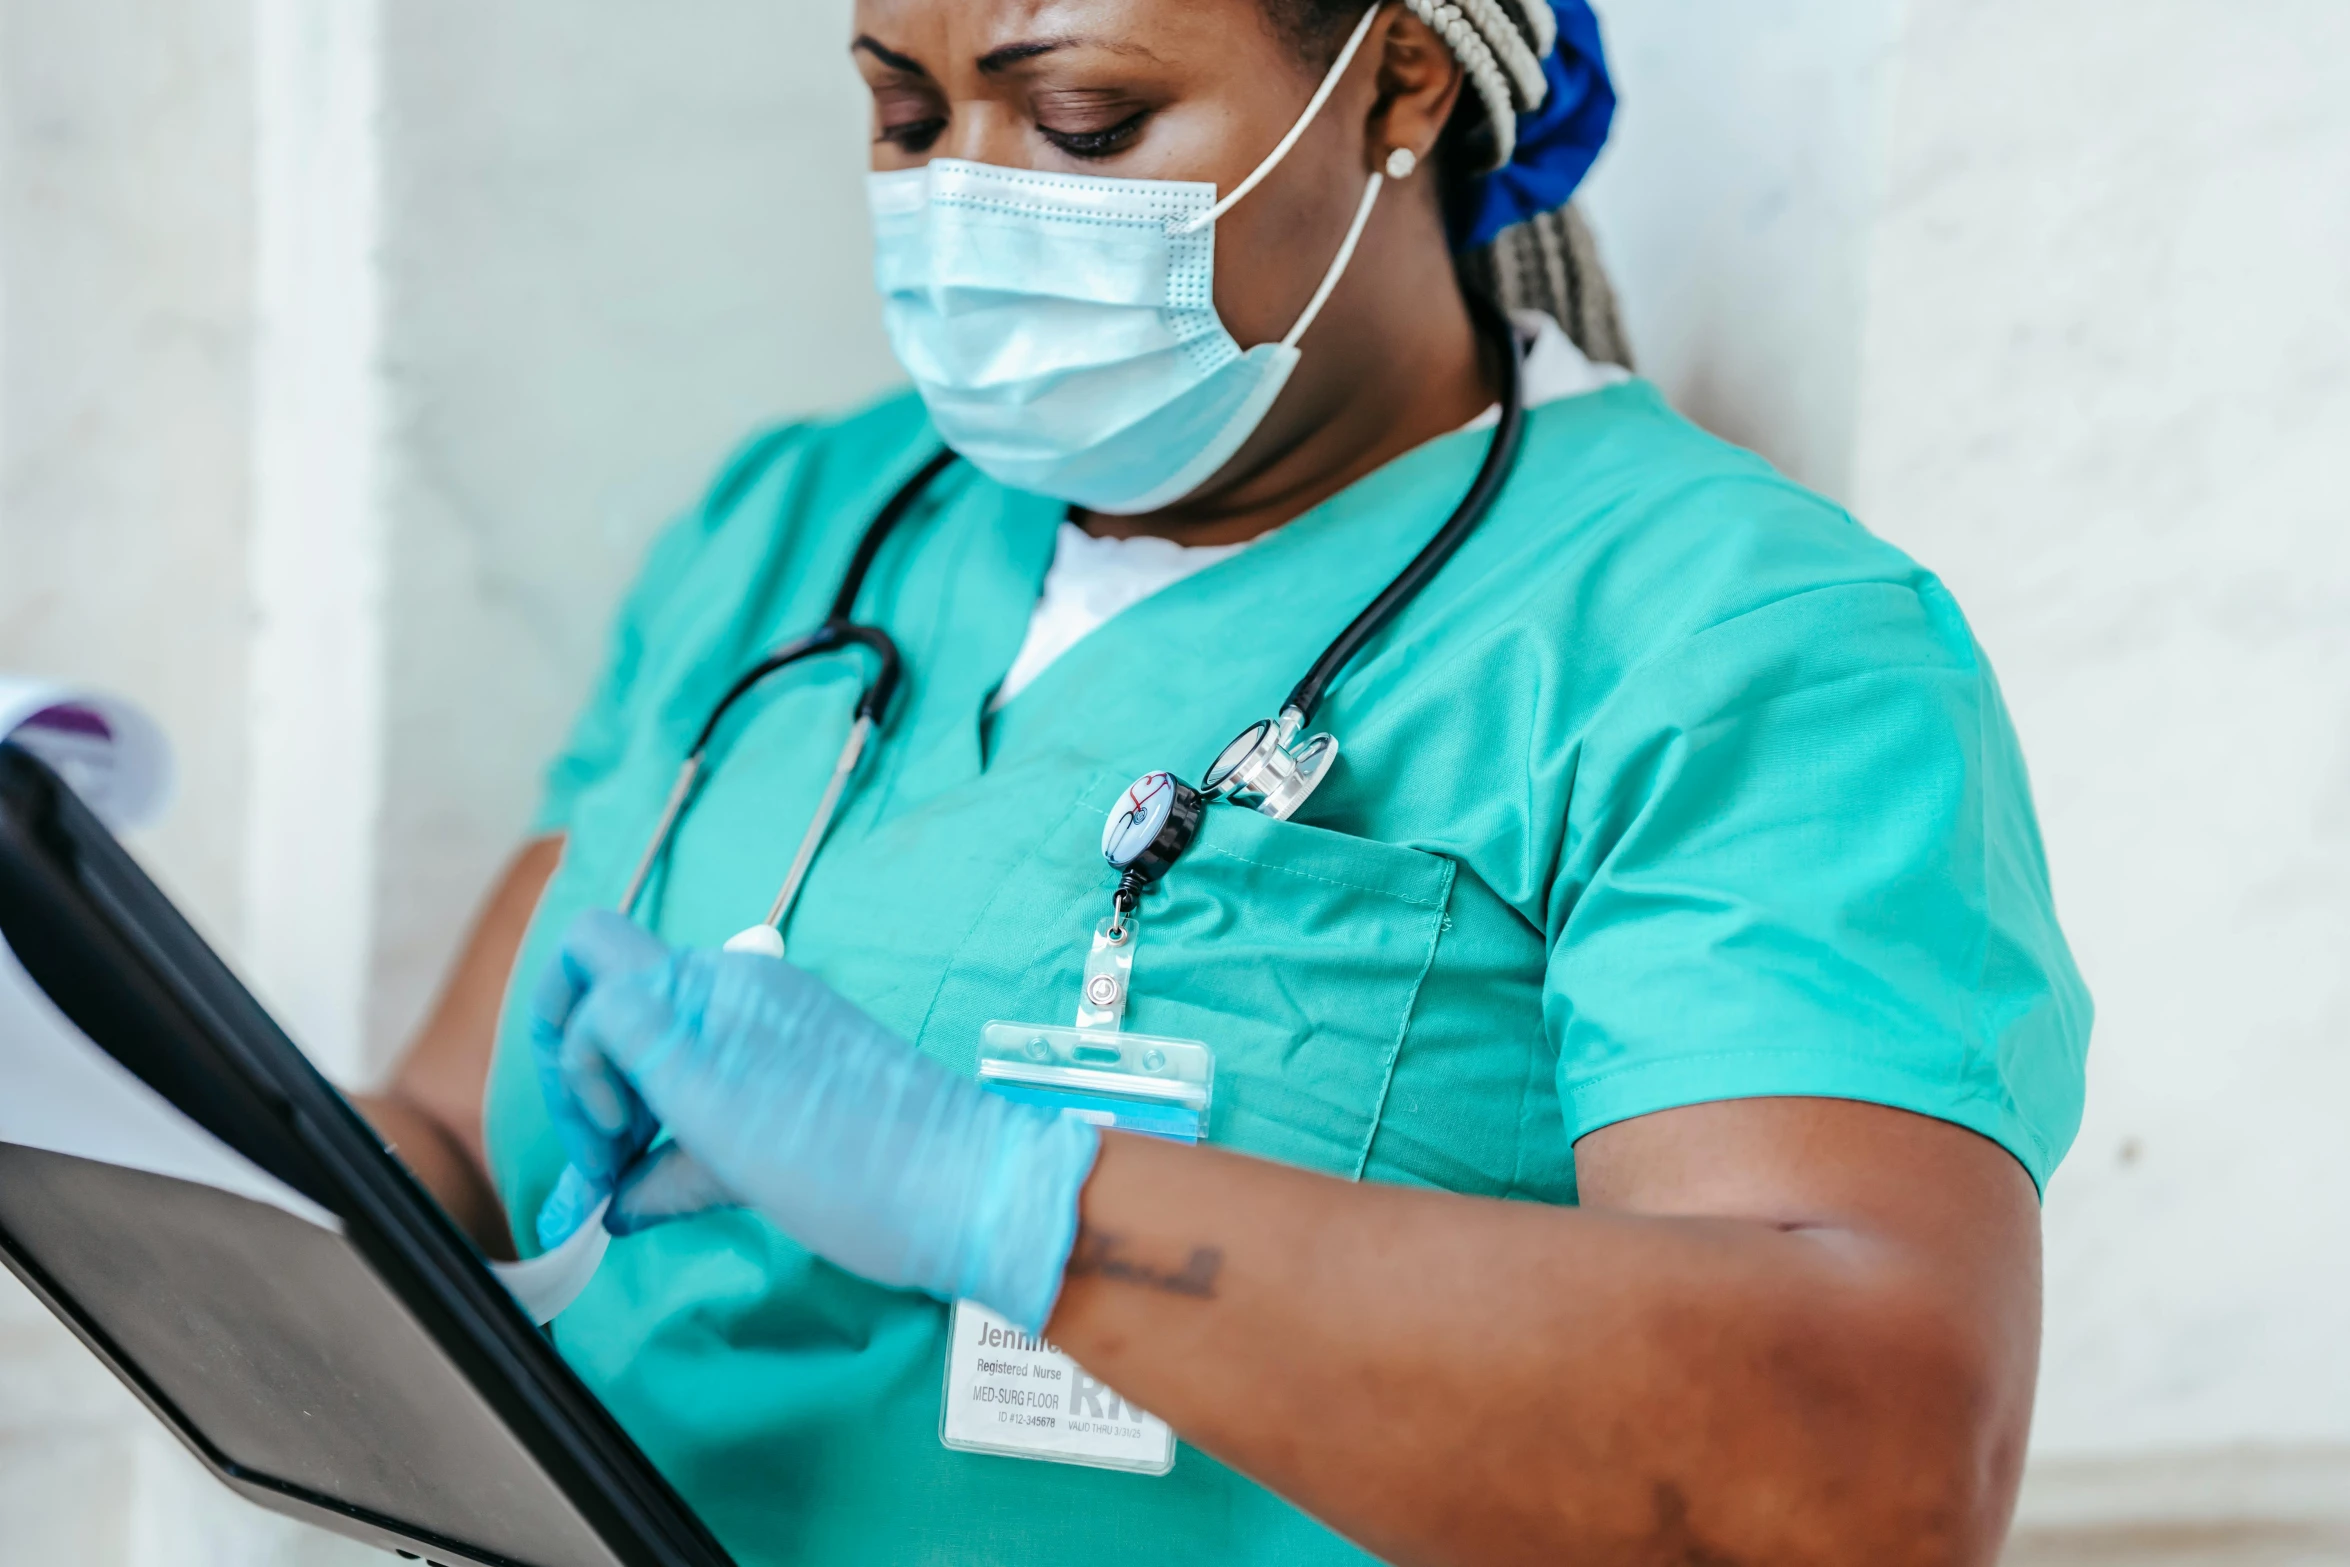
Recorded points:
1675,785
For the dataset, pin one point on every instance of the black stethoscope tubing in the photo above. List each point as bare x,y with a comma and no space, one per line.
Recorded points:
840,628
841,631
1501,456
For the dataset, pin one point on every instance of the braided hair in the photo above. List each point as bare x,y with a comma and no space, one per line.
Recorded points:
1549,261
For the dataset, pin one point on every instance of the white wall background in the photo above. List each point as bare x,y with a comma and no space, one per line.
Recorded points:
349,354
2106,391
1736,200
665,223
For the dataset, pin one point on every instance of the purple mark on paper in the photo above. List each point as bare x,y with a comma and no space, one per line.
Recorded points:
70,719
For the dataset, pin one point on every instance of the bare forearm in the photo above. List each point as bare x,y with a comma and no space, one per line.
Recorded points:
430,1112
1446,1379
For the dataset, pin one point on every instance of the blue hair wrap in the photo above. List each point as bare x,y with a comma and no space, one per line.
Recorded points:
1557,143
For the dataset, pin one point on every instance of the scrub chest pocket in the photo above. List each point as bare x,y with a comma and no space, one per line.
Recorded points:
1295,953
1299,953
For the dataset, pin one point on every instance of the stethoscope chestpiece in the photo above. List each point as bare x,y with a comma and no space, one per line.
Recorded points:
1268,770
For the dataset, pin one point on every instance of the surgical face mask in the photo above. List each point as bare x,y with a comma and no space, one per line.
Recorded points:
1062,328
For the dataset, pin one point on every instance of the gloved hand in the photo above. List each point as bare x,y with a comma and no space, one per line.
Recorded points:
779,1094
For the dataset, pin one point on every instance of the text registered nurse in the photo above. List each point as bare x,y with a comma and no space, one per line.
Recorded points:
1275,919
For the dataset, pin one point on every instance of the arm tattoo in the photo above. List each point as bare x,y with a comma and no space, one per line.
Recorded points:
1101,1254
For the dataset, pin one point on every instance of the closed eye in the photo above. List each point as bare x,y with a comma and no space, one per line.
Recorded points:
1104,142
913,135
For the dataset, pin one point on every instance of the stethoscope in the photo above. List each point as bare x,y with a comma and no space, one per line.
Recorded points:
1267,768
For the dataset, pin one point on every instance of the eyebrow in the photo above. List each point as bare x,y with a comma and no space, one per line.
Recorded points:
997,60
888,56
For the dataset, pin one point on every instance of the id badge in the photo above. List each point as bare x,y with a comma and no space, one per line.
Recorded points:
1016,1394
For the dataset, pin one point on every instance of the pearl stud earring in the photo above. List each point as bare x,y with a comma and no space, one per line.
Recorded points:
1401,162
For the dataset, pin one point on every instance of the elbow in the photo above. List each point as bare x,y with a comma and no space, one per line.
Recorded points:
1846,1428
1910,1425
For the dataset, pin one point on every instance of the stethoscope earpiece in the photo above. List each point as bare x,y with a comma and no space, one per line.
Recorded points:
760,941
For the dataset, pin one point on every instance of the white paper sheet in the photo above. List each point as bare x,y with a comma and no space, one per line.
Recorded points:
547,1283
60,1092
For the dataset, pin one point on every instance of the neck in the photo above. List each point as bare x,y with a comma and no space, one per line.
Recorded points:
1372,396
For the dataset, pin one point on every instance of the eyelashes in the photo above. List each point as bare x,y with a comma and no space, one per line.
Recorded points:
1104,143
915,136
919,136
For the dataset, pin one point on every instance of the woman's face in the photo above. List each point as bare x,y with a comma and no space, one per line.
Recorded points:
1139,89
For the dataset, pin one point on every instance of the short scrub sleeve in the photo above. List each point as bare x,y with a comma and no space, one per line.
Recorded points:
1802,860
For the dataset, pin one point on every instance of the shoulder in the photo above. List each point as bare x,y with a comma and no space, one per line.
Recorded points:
787,472
1644,533
717,576
778,502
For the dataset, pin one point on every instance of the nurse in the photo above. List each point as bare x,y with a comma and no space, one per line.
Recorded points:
1627,1077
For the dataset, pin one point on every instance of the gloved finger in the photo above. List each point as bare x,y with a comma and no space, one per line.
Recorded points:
596,1110
567,1207
599,945
596,1115
666,1184
604,1122
599,948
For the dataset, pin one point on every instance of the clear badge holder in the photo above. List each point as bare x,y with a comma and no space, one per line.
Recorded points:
1013,1393
1121,1082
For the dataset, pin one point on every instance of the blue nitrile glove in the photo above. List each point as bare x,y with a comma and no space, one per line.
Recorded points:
779,1094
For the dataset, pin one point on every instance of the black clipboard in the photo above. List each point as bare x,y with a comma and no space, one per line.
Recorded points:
377,1380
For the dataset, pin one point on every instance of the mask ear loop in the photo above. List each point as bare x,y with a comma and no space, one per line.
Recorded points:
1346,253
1273,159
1371,187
